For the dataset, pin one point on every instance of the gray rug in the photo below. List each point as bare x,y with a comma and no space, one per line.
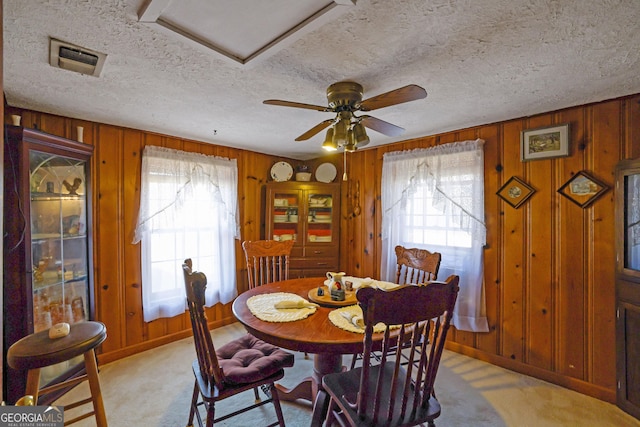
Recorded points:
153,389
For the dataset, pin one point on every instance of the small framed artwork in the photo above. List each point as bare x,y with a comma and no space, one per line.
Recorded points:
515,192
583,189
544,143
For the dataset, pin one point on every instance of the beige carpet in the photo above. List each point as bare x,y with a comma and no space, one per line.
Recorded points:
153,389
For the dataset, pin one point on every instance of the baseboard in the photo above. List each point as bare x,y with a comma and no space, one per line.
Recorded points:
121,353
584,387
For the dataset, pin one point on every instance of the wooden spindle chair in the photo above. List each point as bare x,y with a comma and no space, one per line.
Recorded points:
232,368
389,393
267,261
414,266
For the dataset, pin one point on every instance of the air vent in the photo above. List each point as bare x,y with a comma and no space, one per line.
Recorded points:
75,58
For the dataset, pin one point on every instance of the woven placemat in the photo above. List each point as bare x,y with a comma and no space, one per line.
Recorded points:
262,306
340,317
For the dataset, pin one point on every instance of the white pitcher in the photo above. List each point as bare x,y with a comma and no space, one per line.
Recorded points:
334,278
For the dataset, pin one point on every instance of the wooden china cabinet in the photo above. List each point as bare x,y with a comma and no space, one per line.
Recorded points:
47,244
628,286
309,214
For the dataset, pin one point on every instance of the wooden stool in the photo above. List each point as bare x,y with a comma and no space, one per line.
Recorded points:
38,350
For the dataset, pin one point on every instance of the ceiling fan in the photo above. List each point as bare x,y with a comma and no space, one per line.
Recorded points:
345,99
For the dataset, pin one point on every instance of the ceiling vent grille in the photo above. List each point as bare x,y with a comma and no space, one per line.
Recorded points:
75,58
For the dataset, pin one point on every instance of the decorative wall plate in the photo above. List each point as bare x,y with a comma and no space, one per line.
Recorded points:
515,192
326,172
281,171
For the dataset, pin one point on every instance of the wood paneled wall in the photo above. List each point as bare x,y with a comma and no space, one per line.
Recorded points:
116,179
549,265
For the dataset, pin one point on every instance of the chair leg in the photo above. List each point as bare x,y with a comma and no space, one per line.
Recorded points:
256,393
330,413
91,367
211,413
275,399
354,358
33,384
320,408
194,403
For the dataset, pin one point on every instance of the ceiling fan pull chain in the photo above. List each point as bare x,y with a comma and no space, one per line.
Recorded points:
344,175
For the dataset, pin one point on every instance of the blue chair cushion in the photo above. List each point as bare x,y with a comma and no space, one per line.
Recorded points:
248,359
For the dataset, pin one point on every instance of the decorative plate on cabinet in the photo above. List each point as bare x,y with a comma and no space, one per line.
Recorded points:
326,172
281,171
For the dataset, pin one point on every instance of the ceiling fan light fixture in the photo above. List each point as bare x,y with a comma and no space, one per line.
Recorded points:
340,130
360,137
350,147
329,144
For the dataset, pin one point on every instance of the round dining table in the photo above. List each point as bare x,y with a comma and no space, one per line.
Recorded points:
315,334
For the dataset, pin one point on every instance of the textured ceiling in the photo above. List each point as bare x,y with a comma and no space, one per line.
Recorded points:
481,61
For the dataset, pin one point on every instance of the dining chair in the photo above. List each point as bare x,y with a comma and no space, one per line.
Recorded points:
415,266
388,393
267,260
243,364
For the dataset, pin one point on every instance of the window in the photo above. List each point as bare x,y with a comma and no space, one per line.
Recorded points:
425,224
188,209
434,199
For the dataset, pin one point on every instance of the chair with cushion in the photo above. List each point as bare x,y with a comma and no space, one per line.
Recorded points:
388,393
243,364
413,266
267,261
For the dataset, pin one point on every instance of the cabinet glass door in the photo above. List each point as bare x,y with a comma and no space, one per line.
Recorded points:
59,244
320,218
632,222
285,216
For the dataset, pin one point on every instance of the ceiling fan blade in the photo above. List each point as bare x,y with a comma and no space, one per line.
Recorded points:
295,105
314,130
398,96
381,126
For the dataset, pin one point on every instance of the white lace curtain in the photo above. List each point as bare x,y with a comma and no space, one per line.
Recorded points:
451,176
188,209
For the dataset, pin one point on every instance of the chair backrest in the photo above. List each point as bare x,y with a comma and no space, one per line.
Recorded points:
416,265
425,316
267,261
195,284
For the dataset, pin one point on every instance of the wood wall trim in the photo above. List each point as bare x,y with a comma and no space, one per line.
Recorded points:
583,387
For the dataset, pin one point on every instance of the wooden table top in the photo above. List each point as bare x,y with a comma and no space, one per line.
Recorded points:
315,334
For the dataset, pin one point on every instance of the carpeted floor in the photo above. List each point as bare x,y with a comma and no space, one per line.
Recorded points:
153,389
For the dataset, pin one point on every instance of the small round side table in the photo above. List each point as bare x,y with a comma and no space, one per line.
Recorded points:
37,350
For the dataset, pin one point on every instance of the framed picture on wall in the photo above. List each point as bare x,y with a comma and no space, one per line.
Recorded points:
515,192
582,189
544,143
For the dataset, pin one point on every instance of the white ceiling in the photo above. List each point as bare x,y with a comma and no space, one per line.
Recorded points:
481,61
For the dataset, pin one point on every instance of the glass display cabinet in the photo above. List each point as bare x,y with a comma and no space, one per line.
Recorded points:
309,214
628,286
47,250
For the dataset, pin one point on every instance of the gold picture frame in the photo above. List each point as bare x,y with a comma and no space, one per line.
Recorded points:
544,143
583,189
515,192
